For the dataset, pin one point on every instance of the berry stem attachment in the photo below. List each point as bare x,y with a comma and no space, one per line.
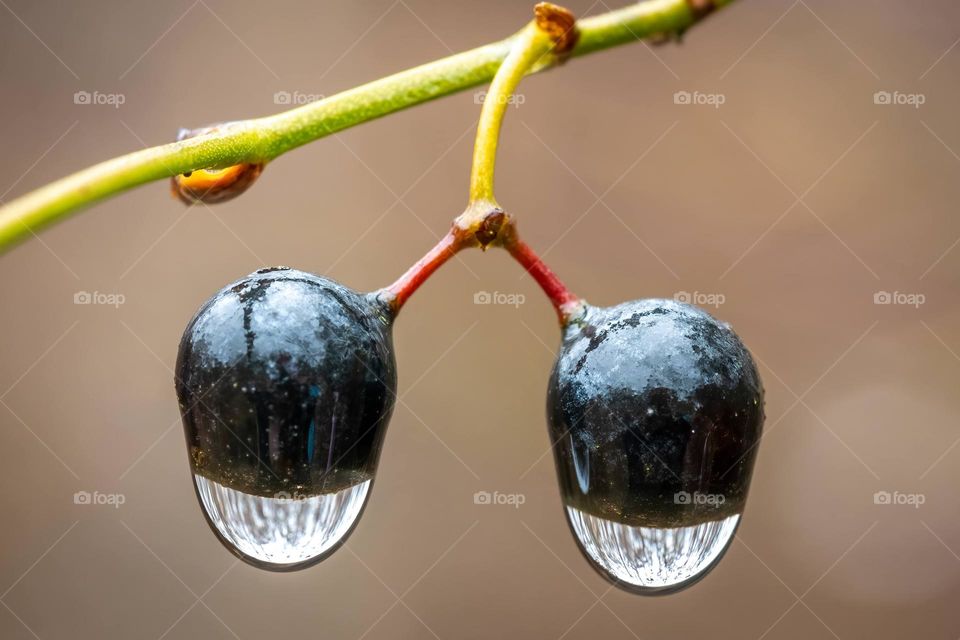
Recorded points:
397,293
545,41
567,304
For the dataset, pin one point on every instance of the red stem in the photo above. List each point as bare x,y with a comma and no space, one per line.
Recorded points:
564,301
416,275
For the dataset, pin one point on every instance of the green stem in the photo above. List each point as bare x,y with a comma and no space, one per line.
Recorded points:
262,139
529,46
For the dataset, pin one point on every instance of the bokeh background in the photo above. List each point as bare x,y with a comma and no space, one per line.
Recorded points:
794,203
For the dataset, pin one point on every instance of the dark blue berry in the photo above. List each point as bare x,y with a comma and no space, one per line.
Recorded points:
286,382
655,411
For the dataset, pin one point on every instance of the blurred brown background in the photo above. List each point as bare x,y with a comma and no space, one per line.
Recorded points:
797,201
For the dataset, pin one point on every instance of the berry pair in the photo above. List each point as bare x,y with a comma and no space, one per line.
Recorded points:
286,382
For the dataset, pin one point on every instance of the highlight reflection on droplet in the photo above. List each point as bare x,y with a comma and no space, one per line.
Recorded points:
651,559
281,533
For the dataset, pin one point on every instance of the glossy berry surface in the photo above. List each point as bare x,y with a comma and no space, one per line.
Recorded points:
650,399
655,411
286,382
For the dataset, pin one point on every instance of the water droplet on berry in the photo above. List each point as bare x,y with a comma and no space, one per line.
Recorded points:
286,532
651,559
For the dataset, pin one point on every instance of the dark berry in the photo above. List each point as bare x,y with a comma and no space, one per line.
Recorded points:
655,411
286,382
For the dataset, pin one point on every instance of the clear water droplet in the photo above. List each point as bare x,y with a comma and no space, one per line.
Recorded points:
650,559
282,533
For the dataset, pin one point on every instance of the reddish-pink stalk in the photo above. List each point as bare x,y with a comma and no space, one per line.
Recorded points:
563,300
416,275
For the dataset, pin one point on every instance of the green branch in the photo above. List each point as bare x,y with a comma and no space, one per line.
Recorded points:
262,139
